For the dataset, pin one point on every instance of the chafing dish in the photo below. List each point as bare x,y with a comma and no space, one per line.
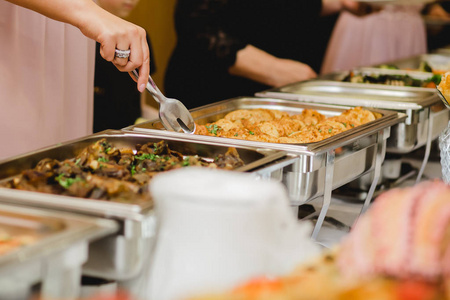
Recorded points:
319,167
120,256
373,71
437,61
443,51
426,116
53,246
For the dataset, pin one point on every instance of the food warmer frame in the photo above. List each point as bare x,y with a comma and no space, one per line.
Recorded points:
319,167
441,57
426,115
121,256
55,256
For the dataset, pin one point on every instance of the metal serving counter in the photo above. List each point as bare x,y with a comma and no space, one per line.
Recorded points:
45,247
120,256
319,167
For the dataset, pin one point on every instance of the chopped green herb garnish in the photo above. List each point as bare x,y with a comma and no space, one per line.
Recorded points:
330,130
145,156
251,132
103,159
236,134
66,182
185,162
133,170
77,162
213,129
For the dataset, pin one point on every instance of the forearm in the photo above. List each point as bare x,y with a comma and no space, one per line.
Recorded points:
96,23
257,65
65,11
253,63
75,12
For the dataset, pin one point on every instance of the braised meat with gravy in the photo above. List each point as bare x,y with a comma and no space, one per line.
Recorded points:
102,171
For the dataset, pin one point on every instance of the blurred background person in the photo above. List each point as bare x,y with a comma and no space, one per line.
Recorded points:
391,32
117,102
437,18
47,68
229,48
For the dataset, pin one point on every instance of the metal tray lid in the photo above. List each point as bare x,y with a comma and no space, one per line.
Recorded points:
439,61
355,94
47,232
214,111
412,73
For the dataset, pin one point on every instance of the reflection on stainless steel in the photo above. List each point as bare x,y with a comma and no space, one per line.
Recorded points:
320,167
172,112
121,256
62,237
438,62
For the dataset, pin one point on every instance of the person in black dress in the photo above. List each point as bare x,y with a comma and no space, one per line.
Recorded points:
229,48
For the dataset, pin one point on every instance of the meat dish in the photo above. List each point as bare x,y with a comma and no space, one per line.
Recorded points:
105,172
275,126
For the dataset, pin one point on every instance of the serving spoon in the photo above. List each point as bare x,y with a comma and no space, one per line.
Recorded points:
173,114
445,100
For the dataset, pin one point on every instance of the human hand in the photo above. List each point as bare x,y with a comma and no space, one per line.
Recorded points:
115,33
435,10
357,8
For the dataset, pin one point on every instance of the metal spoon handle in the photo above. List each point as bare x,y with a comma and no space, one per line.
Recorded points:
152,88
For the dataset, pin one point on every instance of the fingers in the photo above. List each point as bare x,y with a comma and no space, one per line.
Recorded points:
144,70
133,38
120,52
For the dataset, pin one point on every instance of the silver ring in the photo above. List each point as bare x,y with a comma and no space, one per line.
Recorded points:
122,53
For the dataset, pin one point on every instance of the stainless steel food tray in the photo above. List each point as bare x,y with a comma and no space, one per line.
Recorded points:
120,257
55,255
413,63
426,116
320,167
340,76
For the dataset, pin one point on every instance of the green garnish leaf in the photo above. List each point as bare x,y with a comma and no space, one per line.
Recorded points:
103,159
145,156
66,182
213,129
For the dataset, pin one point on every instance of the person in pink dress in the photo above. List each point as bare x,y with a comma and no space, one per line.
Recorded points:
392,32
47,68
